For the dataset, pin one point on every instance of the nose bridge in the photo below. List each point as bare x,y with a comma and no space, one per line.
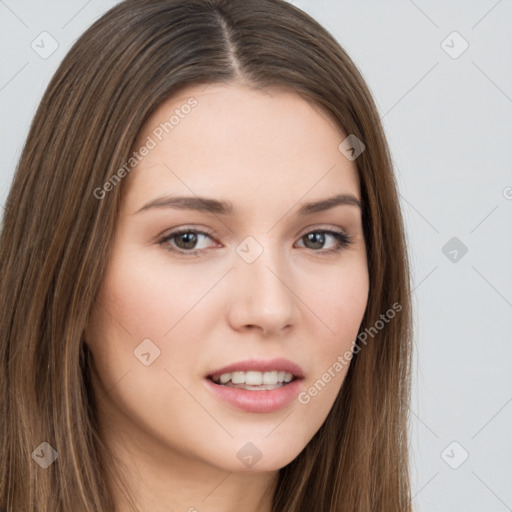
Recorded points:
263,294
261,261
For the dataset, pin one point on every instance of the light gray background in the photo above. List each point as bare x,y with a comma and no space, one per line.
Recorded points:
449,126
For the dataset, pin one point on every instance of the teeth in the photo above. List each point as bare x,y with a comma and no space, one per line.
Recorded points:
271,377
225,377
263,387
252,378
238,377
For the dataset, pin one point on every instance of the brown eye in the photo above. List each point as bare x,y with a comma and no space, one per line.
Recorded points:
315,240
189,240
184,241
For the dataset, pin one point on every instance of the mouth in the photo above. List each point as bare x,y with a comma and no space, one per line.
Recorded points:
254,380
257,386
257,374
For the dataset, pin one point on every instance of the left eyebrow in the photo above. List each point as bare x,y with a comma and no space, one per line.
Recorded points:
209,205
331,202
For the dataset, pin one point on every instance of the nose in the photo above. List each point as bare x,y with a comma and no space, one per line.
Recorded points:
263,295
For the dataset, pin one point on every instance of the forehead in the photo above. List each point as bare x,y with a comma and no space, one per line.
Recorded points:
234,140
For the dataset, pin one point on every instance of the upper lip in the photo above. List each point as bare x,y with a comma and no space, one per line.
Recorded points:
261,365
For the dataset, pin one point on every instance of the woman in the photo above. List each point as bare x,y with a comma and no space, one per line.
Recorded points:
205,289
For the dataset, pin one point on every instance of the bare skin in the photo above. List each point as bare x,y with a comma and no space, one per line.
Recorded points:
268,152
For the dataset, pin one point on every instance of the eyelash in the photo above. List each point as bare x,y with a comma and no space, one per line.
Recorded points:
343,241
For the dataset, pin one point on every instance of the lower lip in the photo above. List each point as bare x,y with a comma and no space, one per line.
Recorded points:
257,401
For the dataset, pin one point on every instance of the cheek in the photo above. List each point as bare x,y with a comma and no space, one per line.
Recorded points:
338,297
338,301
144,298
152,297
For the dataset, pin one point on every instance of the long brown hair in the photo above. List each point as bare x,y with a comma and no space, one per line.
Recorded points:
56,241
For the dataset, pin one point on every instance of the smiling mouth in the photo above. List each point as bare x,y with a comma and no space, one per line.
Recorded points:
254,380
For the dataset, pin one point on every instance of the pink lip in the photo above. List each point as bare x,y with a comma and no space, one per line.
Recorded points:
257,401
254,400
261,365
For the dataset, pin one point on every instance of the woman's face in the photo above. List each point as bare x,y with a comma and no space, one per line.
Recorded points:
265,280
